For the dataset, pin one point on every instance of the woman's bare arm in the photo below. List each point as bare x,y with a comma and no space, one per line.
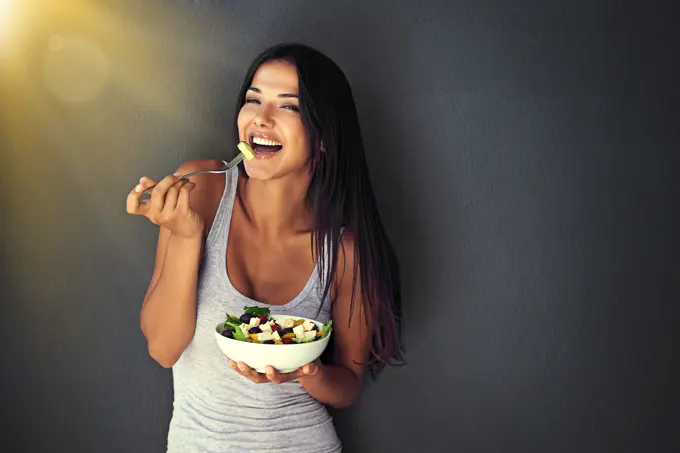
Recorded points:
338,384
168,314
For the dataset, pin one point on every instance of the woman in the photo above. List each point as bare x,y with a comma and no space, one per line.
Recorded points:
244,238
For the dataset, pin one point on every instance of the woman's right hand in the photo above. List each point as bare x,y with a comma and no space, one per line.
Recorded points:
168,206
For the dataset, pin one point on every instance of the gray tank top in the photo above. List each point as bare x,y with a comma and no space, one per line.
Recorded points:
217,410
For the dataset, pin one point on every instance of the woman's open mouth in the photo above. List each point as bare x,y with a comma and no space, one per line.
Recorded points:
264,146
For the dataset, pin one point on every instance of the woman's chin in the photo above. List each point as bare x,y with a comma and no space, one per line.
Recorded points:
260,169
274,166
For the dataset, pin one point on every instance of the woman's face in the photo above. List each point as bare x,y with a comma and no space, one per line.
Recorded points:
270,122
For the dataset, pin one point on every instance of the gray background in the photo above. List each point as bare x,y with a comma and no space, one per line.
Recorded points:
523,155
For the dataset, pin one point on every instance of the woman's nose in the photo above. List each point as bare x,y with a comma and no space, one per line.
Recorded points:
262,118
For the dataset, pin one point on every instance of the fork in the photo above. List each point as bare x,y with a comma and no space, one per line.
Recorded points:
227,166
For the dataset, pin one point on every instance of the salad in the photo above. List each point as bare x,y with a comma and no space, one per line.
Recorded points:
256,325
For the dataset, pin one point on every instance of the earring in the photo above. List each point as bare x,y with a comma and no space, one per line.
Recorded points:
323,150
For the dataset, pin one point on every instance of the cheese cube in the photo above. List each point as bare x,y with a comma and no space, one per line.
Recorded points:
299,332
276,336
266,327
264,336
308,325
244,329
254,321
288,322
247,150
310,334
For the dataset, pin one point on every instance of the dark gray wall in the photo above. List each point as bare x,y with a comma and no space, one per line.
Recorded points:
523,154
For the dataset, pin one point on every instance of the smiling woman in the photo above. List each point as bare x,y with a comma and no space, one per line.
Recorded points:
294,230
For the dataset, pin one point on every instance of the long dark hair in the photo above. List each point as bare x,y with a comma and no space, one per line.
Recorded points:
340,195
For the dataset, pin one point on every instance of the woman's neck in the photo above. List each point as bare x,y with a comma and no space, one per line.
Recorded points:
278,207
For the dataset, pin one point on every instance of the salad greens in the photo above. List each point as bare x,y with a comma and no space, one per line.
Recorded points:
257,311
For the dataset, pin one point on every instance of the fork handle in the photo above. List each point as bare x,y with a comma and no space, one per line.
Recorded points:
235,161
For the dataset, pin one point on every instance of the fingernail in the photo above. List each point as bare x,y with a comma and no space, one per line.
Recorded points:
242,366
138,188
175,174
305,369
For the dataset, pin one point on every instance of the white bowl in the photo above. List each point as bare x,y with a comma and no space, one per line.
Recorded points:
283,357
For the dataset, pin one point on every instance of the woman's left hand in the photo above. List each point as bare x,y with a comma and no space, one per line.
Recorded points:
273,376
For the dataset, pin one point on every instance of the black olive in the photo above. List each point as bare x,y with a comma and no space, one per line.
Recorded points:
314,327
286,330
268,342
228,333
245,318
255,330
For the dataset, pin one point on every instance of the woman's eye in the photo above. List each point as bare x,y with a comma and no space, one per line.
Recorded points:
252,101
291,107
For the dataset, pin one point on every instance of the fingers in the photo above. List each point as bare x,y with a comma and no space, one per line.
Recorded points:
310,369
275,377
245,371
271,375
171,200
169,195
183,205
158,195
133,204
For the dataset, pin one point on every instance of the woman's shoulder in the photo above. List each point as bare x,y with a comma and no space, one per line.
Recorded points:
200,164
345,258
207,182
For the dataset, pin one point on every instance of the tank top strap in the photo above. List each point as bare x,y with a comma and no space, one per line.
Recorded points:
224,210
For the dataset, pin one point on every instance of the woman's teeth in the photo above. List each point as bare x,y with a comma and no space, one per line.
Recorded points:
265,142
